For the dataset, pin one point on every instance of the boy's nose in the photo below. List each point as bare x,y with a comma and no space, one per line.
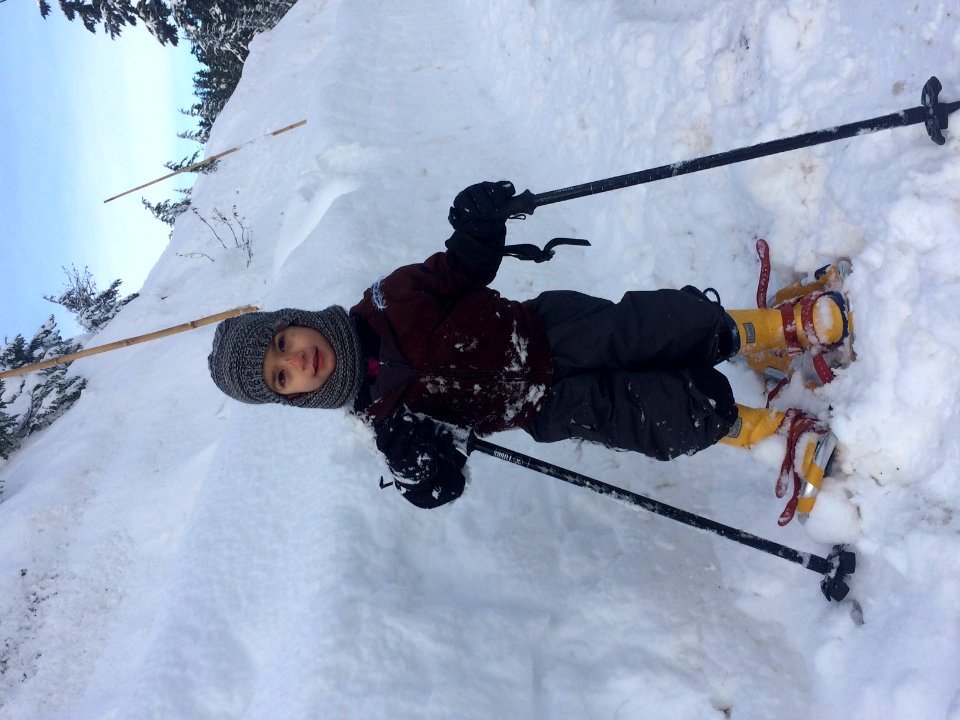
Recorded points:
298,359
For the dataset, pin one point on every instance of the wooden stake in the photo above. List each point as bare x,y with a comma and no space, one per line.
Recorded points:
70,357
209,160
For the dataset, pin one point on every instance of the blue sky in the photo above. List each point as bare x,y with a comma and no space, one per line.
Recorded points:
83,118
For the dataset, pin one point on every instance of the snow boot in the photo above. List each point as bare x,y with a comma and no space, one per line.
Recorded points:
752,425
818,320
816,350
826,278
810,447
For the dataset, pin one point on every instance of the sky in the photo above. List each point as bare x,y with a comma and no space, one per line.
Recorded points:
84,118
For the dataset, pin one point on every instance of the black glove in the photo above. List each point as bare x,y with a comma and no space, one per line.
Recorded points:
424,456
481,209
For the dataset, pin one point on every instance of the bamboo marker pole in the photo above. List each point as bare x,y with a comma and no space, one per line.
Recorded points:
70,357
209,160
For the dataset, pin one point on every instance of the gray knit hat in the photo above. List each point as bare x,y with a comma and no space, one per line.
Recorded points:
240,343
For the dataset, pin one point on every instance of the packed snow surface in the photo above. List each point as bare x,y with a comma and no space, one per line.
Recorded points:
166,552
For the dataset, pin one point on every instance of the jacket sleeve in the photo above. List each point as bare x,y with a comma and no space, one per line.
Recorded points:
478,257
421,453
478,216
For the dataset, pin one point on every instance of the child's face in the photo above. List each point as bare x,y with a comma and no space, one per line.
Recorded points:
299,360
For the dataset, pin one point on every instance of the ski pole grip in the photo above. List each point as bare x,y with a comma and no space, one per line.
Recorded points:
521,205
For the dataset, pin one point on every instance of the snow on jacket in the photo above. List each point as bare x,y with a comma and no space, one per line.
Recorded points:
453,349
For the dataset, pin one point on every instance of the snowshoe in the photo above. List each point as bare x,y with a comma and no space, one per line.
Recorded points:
809,448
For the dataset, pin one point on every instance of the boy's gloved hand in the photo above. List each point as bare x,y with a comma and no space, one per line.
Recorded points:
424,456
481,209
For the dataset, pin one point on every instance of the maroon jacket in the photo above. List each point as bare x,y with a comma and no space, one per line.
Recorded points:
453,349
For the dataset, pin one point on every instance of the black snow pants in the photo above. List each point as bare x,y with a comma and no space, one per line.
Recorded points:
637,374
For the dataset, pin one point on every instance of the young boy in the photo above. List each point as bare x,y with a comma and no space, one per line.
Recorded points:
432,346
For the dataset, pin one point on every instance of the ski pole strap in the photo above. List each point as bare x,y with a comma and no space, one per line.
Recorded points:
539,255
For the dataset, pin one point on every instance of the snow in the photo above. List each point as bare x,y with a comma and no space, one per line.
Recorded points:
167,552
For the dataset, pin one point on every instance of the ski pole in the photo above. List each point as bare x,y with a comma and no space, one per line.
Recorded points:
70,357
931,112
834,568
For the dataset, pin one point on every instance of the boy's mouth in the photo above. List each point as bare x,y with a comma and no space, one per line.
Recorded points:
316,360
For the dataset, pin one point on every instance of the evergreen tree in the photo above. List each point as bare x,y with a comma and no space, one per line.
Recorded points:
167,211
58,394
114,15
91,308
8,425
51,392
220,32
104,307
43,340
36,400
9,354
218,26
14,354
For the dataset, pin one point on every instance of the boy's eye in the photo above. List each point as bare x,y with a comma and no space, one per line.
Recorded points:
281,378
280,343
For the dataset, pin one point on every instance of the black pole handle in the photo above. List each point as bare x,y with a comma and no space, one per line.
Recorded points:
932,113
521,205
834,568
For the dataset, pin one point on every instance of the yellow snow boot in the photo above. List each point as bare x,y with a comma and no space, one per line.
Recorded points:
826,278
812,321
815,335
810,446
752,426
